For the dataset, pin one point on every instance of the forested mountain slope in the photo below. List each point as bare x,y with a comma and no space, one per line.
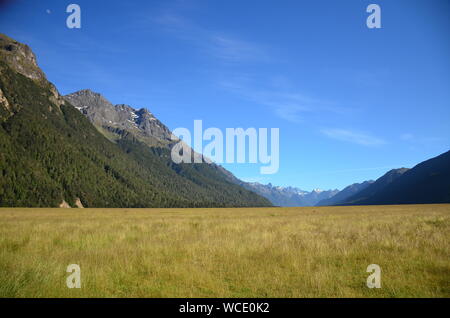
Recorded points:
50,153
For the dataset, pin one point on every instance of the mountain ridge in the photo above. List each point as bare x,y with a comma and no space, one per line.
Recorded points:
374,187
345,193
427,182
289,196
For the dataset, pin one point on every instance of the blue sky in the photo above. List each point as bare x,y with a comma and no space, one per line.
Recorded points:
350,102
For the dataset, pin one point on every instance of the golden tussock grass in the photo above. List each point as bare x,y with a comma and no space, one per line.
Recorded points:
248,252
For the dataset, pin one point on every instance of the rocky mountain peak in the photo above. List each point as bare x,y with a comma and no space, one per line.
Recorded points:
120,118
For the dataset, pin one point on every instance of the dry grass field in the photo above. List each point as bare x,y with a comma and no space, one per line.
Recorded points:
260,252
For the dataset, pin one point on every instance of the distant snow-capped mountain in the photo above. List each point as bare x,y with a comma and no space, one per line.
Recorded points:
289,196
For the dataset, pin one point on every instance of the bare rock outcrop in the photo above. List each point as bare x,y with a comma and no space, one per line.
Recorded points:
64,204
78,203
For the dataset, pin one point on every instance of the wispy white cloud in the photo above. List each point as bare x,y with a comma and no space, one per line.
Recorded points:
231,49
353,137
219,45
407,137
285,102
277,93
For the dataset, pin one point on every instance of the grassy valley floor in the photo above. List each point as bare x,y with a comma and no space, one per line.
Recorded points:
248,252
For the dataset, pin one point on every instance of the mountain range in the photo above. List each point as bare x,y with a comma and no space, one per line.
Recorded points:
289,196
80,150
371,189
427,182
344,194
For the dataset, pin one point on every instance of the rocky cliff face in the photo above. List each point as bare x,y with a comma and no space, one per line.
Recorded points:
4,101
20,58
116,120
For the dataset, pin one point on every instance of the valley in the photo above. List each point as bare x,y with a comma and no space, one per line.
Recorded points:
226,252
